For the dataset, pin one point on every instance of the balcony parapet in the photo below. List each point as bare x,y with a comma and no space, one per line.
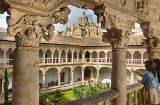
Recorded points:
111,94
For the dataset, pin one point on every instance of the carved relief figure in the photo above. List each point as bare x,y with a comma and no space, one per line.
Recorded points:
61,15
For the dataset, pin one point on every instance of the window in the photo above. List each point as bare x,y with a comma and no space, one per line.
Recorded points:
10,59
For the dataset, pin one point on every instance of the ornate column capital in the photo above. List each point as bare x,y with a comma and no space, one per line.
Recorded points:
150,30
109,18
28,29
152,44
118,38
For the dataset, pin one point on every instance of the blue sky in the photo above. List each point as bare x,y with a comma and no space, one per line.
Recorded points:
73,18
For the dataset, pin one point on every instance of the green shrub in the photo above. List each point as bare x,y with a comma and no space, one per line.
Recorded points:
43,98
87,90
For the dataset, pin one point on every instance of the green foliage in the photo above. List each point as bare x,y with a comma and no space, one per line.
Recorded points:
43,98
57,93
6,91
87,90
46,99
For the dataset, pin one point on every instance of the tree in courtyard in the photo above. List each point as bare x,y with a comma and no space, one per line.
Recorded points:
5,86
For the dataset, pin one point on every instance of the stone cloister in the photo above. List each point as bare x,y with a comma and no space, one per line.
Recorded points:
29,20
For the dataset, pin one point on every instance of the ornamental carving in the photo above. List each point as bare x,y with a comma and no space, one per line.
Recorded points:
112,18
39,4
118,38
152,44
28,29
142,8
150,30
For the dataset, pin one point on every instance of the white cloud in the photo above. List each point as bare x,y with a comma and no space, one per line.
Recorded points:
3,20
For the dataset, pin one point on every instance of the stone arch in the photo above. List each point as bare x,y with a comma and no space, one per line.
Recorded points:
128,55
56,54
77,74
90,73
104,74
65,75
51,75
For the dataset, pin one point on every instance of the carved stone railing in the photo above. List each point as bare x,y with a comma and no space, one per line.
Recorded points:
105,97
87,60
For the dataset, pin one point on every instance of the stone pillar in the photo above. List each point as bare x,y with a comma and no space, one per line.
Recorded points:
4,57
119,71
132,52
82,75
44,57
83,56
28,29
44,79
72,57
66,58
106,57
97,56
97,75
59,79
59,57
25,76
52,52
90,57
72,77
77,56
142,52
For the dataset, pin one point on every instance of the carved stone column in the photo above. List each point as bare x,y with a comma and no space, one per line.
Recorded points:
44,79
72,56
152,43
4,57
82,75
97,77
152,46
44,56
77,56
72,76
118,26
59,79
28,30
59,57
118,39
66,57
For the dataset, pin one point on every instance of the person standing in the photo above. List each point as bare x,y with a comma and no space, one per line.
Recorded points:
156,64
151,84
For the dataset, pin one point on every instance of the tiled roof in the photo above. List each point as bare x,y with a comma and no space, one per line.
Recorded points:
85,41
6,36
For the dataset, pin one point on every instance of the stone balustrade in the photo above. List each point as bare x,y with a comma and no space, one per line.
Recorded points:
87,60
105,97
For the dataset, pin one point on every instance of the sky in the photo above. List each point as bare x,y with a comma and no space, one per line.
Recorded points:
73,18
